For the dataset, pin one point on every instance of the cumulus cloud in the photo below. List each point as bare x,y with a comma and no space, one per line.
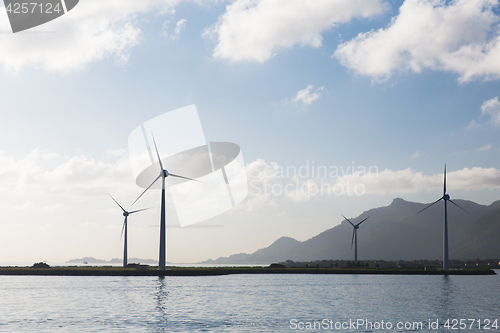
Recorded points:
485,148
255,30
77,177
489,108
473,124
275,185
179,27
492,108
411,181
92,31
460,36
305,96
82,178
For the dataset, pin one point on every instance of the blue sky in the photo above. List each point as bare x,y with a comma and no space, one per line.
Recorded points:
335,84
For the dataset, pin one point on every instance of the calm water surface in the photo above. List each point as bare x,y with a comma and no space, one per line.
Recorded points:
243,303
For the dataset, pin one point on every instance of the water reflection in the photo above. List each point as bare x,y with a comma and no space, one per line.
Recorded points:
161,304
446,301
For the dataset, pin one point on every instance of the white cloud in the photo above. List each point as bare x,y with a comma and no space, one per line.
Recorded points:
306,97
94,30
257,174
410,181
272,185
179,27
78,177
485,148
255,30
414,156
492,108
459,36
473,124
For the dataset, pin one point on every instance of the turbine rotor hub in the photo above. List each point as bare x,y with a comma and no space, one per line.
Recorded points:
125,214
446,197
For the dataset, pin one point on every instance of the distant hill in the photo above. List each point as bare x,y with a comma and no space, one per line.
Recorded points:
279,249
86,259
92,260
482,239
394,232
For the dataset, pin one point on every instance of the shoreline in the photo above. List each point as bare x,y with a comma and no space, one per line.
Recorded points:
217,271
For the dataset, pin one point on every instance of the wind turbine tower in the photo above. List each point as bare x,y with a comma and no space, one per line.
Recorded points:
355,237
124,230
163,174
445,198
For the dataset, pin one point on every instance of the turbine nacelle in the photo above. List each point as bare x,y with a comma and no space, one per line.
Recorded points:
354,236
126,214
446,197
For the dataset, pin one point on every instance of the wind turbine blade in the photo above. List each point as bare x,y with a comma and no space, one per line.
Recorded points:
117,203
157,153
458,206
362,221
444,187
171,174
146,189
347,220
140,210
123,227
435,202
352,242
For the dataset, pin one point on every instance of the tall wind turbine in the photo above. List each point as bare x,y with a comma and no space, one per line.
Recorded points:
445,198
163,174
124,229
355,238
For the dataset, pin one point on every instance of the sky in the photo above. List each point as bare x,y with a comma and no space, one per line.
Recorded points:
338,106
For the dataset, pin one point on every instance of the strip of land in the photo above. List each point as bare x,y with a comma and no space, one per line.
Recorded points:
214,271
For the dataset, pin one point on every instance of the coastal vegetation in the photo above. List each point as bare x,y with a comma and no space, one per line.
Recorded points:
213,271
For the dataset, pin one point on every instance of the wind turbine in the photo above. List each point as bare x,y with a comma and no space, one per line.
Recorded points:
124,229
355,238
446,198
163,174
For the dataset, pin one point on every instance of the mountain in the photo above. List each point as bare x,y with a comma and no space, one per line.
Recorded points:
394,232
481,240
92,260
279,249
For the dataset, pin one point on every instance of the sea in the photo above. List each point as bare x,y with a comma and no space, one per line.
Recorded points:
250,303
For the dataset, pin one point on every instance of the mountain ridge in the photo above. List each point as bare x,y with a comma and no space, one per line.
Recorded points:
92,260
393,232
